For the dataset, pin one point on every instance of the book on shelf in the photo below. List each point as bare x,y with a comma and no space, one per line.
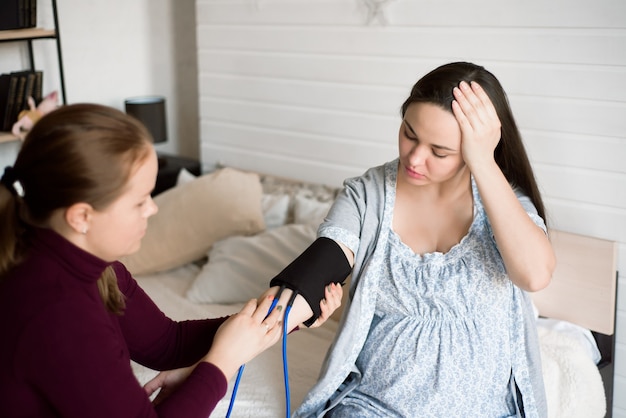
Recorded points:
15,89
38,87
28,89
32,14
5,84
18,14
19,95
7,111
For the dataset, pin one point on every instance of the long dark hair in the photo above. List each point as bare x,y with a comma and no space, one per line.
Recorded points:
510,155
77,153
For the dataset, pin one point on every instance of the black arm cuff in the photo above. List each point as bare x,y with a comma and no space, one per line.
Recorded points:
322,263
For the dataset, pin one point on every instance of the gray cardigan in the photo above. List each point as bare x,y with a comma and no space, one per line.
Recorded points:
354,220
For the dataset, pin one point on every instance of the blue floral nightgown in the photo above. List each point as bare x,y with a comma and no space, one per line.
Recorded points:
439,342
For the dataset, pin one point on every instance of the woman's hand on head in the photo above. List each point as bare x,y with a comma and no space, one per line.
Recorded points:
479,123
245,335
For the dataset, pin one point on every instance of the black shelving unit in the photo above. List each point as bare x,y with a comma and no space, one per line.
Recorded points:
30,35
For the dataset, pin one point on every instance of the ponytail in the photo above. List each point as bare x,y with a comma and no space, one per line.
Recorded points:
12,228
76,153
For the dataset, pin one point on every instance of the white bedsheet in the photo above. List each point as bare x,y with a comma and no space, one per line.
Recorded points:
573,384
261,392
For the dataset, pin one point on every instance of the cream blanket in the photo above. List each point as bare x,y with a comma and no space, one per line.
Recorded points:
574,387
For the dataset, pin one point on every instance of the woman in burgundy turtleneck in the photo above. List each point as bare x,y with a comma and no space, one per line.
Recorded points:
71,317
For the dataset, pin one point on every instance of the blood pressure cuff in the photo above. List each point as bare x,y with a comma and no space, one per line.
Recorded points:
321,264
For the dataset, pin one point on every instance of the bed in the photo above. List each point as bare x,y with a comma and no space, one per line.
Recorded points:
219,238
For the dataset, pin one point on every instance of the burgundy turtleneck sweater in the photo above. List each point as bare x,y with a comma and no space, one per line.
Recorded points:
63,354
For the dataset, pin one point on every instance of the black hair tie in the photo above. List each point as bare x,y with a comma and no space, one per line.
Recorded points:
9,179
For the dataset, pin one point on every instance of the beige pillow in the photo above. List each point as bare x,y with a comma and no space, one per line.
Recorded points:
194,215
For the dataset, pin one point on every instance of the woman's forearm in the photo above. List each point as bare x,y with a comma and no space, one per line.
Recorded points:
525,248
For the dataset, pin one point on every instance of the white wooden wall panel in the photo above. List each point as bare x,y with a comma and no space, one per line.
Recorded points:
576,150
514,45
587,219
305,119
436,13
565,115
311,89
603,188
524,79
313,148
305,93
366,71
620,399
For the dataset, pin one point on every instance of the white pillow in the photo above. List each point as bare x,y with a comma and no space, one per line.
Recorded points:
240,268
275,209
184,176
310,211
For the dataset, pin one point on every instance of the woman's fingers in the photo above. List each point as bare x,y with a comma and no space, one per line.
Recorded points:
249,308
254,314
270,319
475,106
478,121
333,294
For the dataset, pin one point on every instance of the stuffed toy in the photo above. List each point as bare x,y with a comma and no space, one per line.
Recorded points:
28,117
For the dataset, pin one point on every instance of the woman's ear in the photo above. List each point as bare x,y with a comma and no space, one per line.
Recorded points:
78,217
